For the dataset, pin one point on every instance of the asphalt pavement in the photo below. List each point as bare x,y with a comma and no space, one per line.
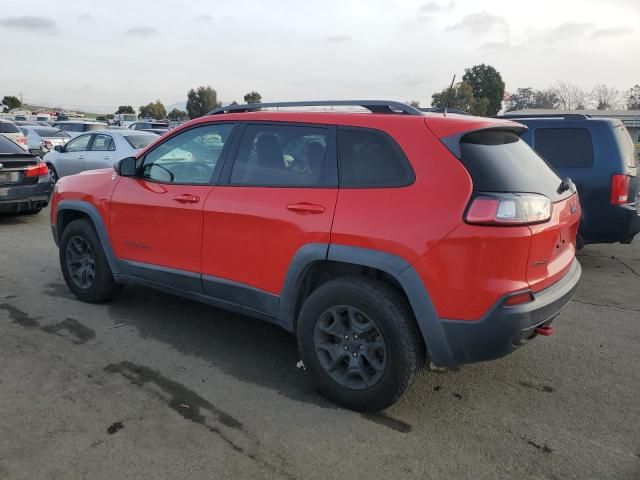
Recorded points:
154,386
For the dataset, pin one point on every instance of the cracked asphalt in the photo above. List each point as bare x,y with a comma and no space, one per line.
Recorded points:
183,390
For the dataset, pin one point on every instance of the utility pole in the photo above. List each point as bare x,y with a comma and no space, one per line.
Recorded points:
21,101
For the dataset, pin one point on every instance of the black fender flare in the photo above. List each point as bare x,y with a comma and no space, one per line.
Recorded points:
426,317
92,212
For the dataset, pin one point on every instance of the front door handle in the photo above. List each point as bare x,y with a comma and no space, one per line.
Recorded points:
305,208
80,157
187,198
106,157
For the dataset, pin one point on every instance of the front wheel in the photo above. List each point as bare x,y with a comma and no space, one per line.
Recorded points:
84,265
358,339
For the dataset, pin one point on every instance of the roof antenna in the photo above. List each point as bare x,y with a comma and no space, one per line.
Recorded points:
446,103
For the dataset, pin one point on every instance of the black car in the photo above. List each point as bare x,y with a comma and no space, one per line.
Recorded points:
24,180
598,155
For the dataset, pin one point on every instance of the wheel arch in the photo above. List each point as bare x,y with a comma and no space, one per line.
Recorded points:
315,264
69,210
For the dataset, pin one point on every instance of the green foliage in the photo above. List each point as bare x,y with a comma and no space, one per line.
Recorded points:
201,101
176,114
154,110
486,83
11,102
461,98
527,97
414,103
253,97
125,109
633,98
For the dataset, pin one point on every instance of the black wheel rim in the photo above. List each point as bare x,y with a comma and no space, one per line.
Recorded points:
81,262
350,347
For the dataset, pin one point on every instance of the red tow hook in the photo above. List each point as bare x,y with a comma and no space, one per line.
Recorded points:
545,330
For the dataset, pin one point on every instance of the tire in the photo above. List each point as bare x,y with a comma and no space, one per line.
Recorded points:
53,175
85,254
331,308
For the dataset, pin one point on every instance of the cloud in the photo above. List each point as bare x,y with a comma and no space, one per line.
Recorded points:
611,32
563,31
479,23
30,24
85,17
436,7
338,39
204,18
501,47
142,32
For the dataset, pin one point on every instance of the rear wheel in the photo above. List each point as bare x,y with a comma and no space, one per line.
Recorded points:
53,175
84,264
358,339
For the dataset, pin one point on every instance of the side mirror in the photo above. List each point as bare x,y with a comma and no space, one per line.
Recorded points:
126,167
58,148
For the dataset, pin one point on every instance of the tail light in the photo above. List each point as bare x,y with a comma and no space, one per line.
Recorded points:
508,209
619,189
39,170
47,144
22,140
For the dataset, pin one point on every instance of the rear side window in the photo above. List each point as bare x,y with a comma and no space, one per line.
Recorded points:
89,127
282,156
371,159
565,147
6,127
500,161
139,141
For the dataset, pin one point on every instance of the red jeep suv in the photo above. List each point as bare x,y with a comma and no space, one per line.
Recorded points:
382,239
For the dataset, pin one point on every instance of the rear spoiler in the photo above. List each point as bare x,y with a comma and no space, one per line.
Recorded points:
453,142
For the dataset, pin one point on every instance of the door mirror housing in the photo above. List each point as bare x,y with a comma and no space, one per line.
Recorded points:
58,148
127,167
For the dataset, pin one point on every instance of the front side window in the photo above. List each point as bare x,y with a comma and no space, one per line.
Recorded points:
78,144
189,157
282,155
565,147
371,159
103,143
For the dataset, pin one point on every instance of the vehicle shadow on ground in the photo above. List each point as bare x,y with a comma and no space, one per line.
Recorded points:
248,349
11,219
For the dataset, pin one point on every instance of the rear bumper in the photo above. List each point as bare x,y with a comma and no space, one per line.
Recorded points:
19,198
618,224
505,328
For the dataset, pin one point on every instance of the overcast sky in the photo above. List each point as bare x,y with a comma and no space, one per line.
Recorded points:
99,55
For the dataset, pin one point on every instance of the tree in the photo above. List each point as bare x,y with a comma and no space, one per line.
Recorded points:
253,97
528,98
605,98
414,103
11,102
461,98
125,109
176,114
486,82
109,116
201,101
570,97
633,98
154,110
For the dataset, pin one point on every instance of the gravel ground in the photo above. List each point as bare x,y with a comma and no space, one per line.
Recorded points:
183,390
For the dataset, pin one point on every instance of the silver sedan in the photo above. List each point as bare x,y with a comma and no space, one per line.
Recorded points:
98,149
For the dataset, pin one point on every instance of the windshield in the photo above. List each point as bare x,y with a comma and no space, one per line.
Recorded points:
139,141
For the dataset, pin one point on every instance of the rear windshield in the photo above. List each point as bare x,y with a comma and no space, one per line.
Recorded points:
139,141
565,147
627,149
50,132
9,127
7,146
500,161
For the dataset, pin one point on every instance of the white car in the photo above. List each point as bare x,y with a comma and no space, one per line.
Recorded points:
12,132
98,149
41,140
78,127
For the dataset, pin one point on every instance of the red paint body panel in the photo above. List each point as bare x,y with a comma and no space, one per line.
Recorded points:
149,225
250,236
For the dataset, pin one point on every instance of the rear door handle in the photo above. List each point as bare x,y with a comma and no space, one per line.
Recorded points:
106,157
186,198
80,157
305,208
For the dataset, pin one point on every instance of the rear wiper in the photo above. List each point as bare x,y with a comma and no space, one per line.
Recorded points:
566,184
